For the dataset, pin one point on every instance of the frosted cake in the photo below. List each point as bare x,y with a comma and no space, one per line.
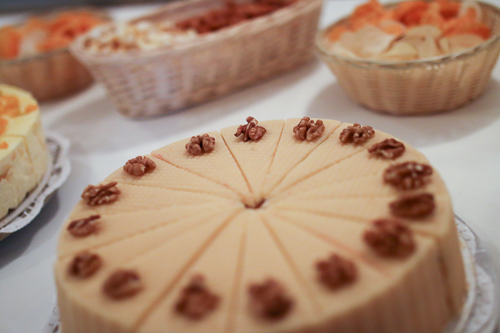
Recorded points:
275,226
23,153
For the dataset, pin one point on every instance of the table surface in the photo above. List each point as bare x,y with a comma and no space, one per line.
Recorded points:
464,145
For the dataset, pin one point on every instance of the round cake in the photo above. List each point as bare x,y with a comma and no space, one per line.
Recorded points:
23,153
301,225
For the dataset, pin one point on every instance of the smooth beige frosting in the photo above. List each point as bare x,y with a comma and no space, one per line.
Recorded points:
191,215
24,161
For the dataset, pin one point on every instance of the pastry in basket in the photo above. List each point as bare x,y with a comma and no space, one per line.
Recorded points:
34,55
23,153
303,225
176,62
414,57
146,35
41,35
409,31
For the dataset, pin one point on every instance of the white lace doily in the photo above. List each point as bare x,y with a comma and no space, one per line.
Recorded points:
480,313
57,173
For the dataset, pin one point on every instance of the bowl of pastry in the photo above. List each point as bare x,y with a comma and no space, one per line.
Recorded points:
297,225
413,57
191,51
34,55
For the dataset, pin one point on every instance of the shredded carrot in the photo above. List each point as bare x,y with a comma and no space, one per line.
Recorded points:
393,29
3,125
9,106
10,40
467,24
61,31
30,108
440,13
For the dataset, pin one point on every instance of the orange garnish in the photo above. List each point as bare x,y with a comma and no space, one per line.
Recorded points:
3,125
30,108
410,12
10,40
440,13
448,9
393,29
467,24
4,145
336,32
9,106
61,31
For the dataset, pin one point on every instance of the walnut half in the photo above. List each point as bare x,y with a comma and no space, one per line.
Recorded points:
269,300
390,238
388,148
407,175
101,194
139,166
196,300
356,134
413,206
336,272
250,131
200,144
122,284
85,264
308,129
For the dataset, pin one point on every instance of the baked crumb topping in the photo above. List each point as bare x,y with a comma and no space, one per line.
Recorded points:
413,206
101,194
269,300
85,264
308,129
356,134
84,227
250,131
139,166
390,238
336,272
407,175
388,148
200,144
123,283
196,300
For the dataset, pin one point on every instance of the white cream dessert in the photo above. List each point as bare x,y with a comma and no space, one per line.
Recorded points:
23,153
279,226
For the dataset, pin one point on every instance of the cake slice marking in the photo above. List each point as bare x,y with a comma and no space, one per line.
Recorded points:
164,293
304,147
209,308
169,176
254,157
149,222
291,264
218,165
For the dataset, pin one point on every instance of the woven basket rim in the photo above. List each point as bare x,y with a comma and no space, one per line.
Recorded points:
398,65
250,27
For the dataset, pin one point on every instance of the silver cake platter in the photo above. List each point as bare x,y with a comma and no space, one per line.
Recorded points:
481,309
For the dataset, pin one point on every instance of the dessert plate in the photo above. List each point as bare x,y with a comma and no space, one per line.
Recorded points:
480,313
56,175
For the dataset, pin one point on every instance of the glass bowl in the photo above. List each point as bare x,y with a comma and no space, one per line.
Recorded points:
421,86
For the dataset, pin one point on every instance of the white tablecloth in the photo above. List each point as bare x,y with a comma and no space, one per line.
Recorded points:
463,145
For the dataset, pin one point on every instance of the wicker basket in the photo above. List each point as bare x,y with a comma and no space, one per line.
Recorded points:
422,86
48,75
145,83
